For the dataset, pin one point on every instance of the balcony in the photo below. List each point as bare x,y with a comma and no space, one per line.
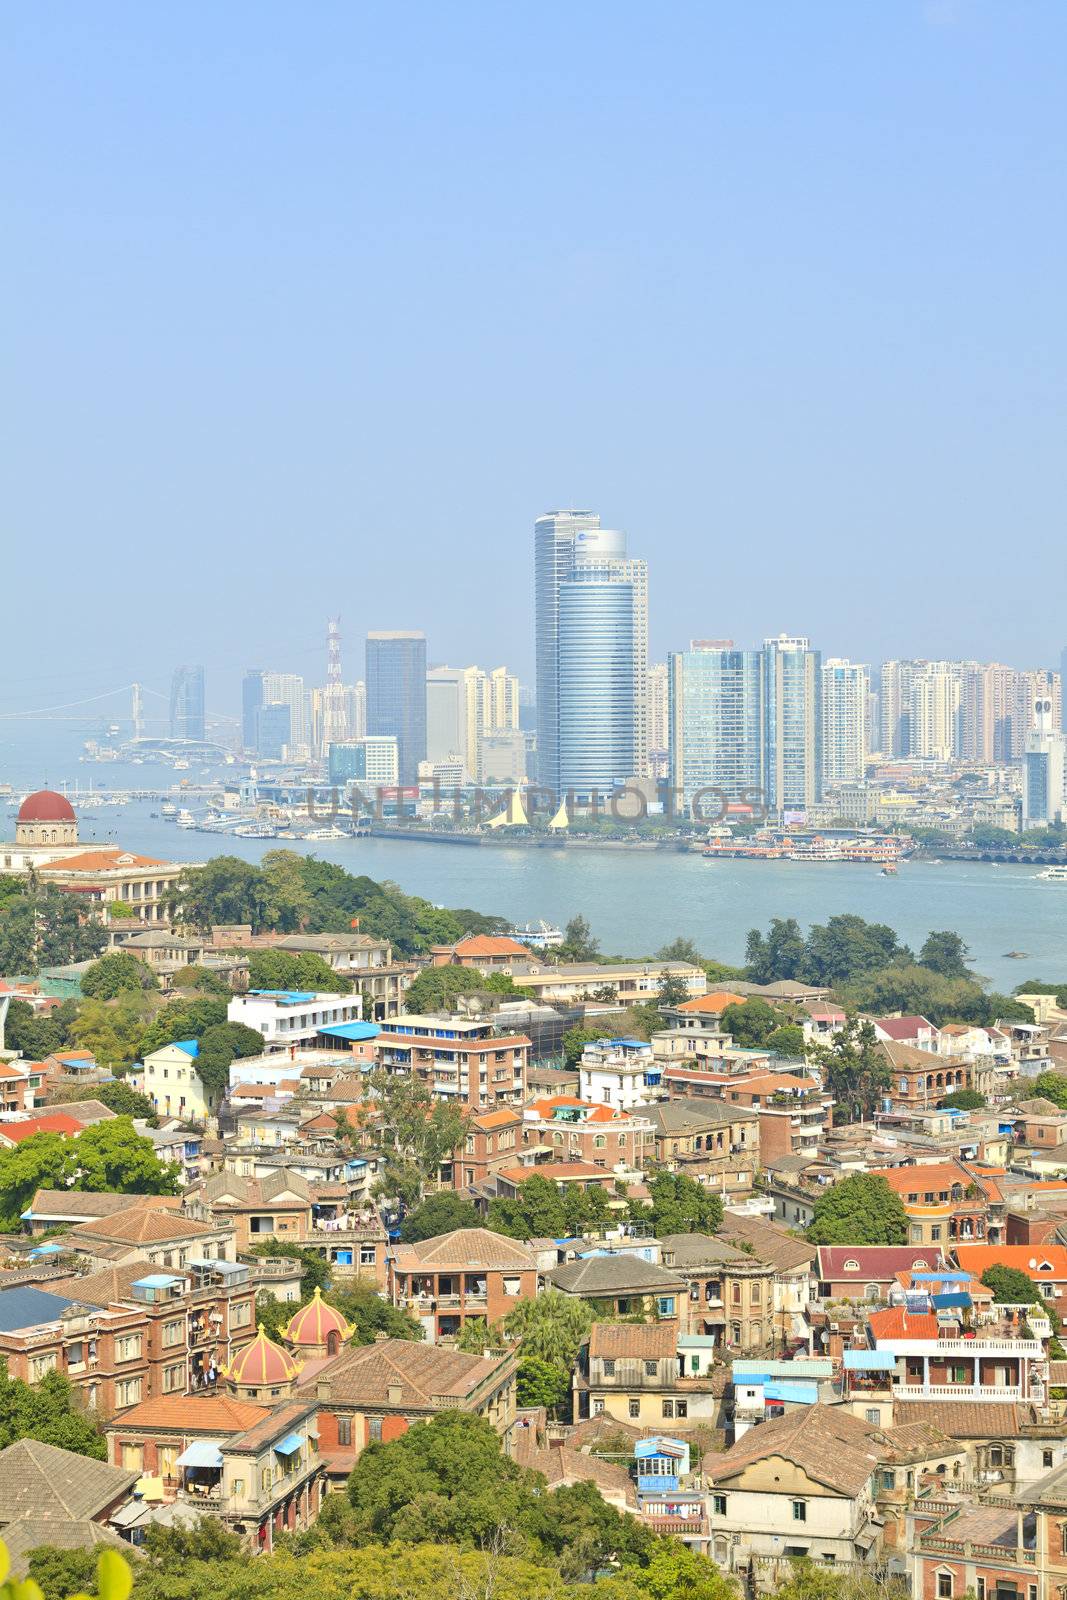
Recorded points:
968,1550
957,1391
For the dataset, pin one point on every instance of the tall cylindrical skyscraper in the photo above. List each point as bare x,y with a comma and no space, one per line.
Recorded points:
596,682
554,536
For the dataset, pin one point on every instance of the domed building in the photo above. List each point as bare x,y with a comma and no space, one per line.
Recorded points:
46,818
262,1371
318,1329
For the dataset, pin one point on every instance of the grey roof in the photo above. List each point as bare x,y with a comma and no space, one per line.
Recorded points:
65,1203
692,1116
25,1307
701,1250
43,1482
21,1538
83,1111
613,1275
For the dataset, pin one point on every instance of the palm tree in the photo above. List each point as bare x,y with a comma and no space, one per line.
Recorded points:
551,1327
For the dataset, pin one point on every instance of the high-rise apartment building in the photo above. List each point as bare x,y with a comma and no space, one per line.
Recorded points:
274,731
1063,680
845,697
921,709
793,723
251,700
716,716
187,703
464,705
502,714
396,695
554,536
1044,767
373,761
657,710
287,689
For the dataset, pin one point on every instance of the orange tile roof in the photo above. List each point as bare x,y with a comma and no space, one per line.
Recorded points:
555,1170
496,1119
102,861
16,1132
712,1004
1028,1258
484,944
897,1323
921,1180
215,1413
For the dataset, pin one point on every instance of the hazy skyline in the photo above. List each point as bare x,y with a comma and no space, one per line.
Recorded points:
315,311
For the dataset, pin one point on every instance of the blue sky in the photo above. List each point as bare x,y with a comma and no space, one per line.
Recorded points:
313,309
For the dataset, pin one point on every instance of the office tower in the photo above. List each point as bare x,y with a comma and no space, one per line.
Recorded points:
845,696
372,761
596,682
600,556
251,700
448,690
716,722
396,695
1043,768
1033,688
187,703
792,691
657,700
274,730
285,688
554,536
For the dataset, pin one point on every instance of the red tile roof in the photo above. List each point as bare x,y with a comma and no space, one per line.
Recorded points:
194,1414
897,1323
1044,1263
16,1132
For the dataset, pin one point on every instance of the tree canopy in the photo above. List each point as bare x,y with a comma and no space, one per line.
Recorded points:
46,1411
119,972
288,892
107,1156
438,1213
751,1023
288,969
855,1069
861,1209
42,926
1051,1086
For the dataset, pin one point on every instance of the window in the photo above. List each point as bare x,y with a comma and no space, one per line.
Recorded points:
944,1586
609,1367
718,1505
665,1305
754,1294
128,1348
344,1430
266,1480
1046,1458
374,1425
127,1391
173,1333
512,1287
681,1408
367,1255
166,1460
800,1511
651,1369
238,1488
174,1378
668,1408
980,1588
888,1478
133,1457
633,1408
40,1365
241,1314
735,1294
598,1408
935,1233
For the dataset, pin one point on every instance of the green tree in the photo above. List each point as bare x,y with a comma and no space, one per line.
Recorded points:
855,1069
861,1209
535,1211
221,1044
787,1040
202,979
224,890
436,988
46,1411
945,953
963,1100
37,1163
174,1544
370,1315
751,1023
679,949
679,1204
60,1573
123,1101
112,1029
673,991
181,1019
542,1383
119,972
287,969
113,1158
578,941
1051,1086
439,1213
847,947
415,1132
38,1036
550,1328
776,957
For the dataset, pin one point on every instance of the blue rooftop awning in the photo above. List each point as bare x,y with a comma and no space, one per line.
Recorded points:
44,1250
290,1444
350,1030
869,1360
201,1453
804,1394
952,1302
157,1280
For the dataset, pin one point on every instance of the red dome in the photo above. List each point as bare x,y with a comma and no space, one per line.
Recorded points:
46,806
314,1323
260,1363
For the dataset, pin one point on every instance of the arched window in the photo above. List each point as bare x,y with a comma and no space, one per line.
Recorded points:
599,1142
852,1265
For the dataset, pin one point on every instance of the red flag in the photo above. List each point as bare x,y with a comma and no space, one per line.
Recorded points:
354,923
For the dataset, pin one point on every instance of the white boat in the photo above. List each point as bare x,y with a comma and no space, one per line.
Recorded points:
1054,874
255,830
326,833
168,809
186,819
539,936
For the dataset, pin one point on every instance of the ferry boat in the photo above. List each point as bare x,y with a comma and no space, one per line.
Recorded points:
540,936
168,809
1054,874
814,850
186,819
326,833
255,830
